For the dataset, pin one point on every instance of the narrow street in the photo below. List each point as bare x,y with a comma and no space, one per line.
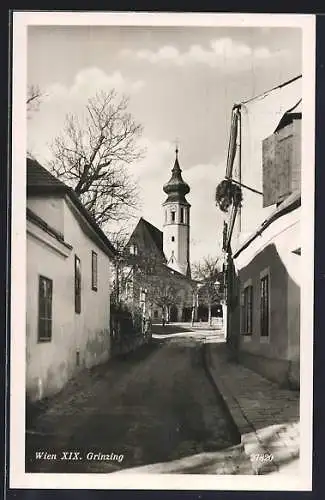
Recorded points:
155,405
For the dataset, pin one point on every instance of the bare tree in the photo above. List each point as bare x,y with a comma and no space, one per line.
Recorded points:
208,273
161,286
164,294
92,153
145,274
119,239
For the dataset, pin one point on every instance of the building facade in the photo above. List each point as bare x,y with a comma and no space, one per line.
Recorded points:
68,286
264,270
268,296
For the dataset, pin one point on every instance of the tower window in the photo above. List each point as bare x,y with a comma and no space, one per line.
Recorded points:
173,215
182,215
173,238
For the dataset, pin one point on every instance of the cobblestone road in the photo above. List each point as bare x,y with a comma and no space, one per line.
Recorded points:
157,405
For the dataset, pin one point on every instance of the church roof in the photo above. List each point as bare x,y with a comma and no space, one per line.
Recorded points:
148,238
176,188
155,233
154,246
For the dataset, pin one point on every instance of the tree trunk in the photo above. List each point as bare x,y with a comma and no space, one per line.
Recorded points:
117,278
163,316
209,316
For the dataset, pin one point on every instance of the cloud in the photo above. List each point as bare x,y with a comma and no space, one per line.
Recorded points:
155,170
91,80
206,219
61,99
225,53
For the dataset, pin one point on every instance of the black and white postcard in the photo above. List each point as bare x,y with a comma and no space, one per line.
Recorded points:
162,251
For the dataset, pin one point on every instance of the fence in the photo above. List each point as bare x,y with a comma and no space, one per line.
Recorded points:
129,330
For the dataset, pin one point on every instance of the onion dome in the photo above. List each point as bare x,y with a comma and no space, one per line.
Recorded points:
176,188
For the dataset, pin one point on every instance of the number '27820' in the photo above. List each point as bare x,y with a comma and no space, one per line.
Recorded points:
262,457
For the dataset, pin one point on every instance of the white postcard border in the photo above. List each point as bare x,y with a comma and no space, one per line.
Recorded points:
17,476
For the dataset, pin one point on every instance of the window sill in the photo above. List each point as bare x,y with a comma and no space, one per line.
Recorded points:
265,340
247,338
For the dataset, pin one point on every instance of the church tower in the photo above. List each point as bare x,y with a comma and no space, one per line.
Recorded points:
176,229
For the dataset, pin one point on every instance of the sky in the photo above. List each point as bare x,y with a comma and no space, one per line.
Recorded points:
182,83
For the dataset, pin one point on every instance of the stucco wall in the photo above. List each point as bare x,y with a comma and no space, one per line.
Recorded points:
274,250
276,346
50,209
180,232
51,364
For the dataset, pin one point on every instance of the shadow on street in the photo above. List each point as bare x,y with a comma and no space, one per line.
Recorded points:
151,406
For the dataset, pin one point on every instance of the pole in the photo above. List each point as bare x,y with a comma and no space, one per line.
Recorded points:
193,308
239,164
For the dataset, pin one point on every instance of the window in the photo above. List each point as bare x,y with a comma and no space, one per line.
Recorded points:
94,271
77,285
182,215
45,309
247,311
264,284
173,213
155,314
173,238
133,250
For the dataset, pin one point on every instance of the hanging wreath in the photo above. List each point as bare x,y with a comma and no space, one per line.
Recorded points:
228,193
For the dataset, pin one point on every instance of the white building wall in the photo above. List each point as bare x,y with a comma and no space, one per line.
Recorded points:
274,250
285,234
51,364
180,232
51,210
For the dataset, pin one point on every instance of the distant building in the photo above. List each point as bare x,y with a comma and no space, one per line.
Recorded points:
264,270
68,285
176,231
169,250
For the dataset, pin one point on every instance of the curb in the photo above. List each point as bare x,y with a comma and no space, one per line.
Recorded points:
220,395
252,446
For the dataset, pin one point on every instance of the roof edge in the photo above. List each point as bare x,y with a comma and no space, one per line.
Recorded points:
279,212
41,223
112,252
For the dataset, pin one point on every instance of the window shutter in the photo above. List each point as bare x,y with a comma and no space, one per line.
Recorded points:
283,160
281,163
269,171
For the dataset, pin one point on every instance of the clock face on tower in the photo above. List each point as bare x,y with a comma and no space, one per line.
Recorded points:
173,208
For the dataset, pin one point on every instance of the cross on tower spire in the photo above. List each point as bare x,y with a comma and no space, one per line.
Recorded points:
176,146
